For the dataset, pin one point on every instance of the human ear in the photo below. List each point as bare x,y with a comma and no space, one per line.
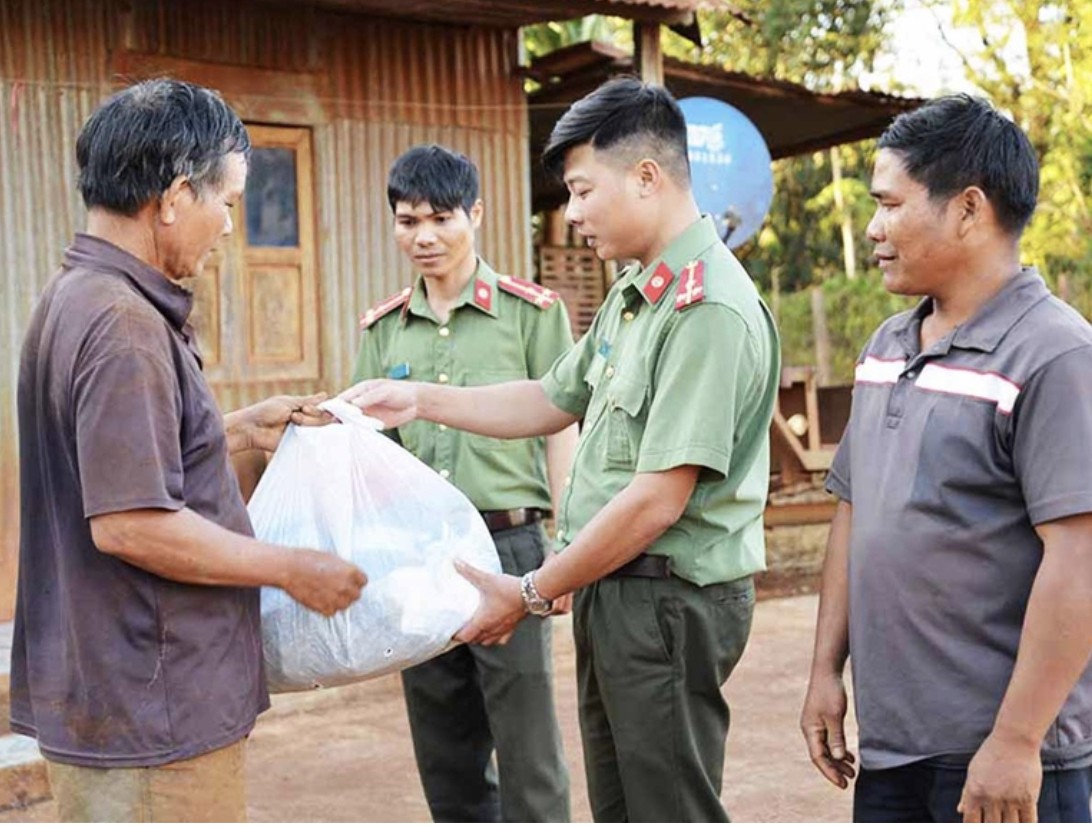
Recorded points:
649,176
972,205
168,202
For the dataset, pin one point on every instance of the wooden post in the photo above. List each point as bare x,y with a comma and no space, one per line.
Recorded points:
822,337
811,407
556,230
649,56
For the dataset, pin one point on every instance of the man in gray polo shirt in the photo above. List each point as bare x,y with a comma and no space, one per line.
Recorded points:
959,566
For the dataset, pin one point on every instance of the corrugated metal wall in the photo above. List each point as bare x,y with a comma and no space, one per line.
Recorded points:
385,86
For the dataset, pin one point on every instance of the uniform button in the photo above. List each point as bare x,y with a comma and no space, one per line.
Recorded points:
443,378
911,374
443,427
445,474
445,331
560,535
610,370
628,316
568,481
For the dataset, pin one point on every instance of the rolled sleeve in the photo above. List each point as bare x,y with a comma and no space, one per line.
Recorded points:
564,383
1052,438
703,376
128,421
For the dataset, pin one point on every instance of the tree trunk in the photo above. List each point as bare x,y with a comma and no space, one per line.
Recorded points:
849,249
649,53
824,373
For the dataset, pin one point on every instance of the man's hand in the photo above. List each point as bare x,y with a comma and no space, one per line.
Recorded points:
322,581
823,724
392,401
563,604
263,423
1003,782
500,609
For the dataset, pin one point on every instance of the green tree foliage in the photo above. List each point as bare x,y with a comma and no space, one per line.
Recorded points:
801,241
854,310
543,38
825,44
1034,59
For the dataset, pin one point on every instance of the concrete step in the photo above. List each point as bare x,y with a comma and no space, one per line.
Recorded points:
23,777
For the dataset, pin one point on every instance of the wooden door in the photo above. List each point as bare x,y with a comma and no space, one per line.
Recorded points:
256,304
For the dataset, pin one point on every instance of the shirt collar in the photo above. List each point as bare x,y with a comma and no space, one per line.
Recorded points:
172,300
480,292
653,281
985,330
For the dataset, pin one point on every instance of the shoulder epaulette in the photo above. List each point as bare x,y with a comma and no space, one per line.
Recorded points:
398,300
536,294
691,288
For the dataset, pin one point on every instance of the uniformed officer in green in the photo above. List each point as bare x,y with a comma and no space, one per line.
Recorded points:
462,324
661,526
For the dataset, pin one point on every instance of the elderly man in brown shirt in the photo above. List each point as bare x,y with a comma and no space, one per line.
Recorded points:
137,657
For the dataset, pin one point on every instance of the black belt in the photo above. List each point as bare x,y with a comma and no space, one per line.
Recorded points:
644,566
511,518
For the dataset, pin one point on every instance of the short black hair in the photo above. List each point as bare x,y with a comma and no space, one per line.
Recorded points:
446,179
960,141
137,142
623,114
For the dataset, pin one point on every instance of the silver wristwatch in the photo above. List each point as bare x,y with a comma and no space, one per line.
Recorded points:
532,601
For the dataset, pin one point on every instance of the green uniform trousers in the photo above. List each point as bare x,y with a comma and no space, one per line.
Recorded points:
472,699
652,655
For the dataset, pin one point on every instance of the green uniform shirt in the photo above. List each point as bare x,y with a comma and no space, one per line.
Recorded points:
491,336
680,367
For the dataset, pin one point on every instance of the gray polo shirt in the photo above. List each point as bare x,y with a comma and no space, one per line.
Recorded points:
952,456
111,665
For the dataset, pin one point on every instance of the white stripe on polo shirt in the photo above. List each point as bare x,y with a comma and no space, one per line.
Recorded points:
965,382
876,371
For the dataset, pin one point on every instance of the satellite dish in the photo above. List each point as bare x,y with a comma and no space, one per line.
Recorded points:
730,167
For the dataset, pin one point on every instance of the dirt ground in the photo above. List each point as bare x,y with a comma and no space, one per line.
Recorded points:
345,755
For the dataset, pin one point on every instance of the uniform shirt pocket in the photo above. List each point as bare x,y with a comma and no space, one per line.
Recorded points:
625,422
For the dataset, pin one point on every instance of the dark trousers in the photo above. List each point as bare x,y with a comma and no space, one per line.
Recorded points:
925,793
652,655
473,700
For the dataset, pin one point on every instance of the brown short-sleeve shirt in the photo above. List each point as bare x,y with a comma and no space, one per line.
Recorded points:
112,665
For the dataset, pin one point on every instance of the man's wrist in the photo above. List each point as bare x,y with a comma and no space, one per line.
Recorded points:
1017,738
239,431
424,402
533,602
828,668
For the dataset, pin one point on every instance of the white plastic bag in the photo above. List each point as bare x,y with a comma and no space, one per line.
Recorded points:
348,489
